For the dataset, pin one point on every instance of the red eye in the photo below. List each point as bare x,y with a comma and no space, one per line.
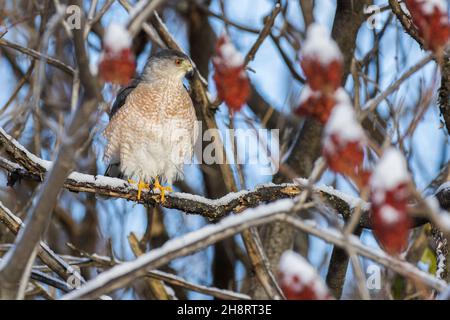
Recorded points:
178,62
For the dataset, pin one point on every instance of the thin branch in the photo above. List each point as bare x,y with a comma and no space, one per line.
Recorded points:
201,101
98,261
406,22
51,259
16,267
270,20
140,13
37,55
373,103
122,275
156,286
34,168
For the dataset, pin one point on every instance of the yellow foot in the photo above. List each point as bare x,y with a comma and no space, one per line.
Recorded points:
141,185
161,189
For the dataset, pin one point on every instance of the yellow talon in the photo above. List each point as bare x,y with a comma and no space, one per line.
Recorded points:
141,186
161,189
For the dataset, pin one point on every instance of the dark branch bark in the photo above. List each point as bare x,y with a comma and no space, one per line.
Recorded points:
15,268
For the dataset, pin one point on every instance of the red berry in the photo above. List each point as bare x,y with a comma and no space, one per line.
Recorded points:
389,198
299,280
118,67
117,61
233,86
321,60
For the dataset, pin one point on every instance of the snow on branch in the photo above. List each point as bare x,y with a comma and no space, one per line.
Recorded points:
26,165
50,258
123,274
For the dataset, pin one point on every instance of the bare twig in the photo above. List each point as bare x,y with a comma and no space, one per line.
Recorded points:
120,276
37,55
15,268
34,168
263,34
51,259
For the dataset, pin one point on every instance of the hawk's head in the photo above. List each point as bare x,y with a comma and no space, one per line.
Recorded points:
167,64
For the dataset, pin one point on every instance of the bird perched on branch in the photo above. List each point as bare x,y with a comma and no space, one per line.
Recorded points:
152,126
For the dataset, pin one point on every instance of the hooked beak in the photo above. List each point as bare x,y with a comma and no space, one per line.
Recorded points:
190,73
189,68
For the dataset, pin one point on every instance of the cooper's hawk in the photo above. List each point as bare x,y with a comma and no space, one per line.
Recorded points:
152,125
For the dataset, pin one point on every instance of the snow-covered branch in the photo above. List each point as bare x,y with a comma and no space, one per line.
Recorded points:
45,253
121,275
29,166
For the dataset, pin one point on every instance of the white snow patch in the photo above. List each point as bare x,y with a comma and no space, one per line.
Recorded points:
117,37
342,97
43,163
443,186
444,216
344,124
389,214
229,55
170,292
307,93
390,171
352,201
98,180
177,244
320,45
294,265
405,9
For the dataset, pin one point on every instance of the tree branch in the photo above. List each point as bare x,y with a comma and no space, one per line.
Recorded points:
16,267
121,275
51,259
213,209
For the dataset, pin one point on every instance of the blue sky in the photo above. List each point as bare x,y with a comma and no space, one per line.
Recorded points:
273,80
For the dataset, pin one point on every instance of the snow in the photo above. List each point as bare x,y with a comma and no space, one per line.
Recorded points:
211,202
228,55
204,236
231,55
175,246
442,215
428,6
353,202
307,93
390,171
320,45
206,288
405,9
342,97
389,214
12,164
170,292
101,181
445,185
42,163
440,268
344,124
294,265
117,37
